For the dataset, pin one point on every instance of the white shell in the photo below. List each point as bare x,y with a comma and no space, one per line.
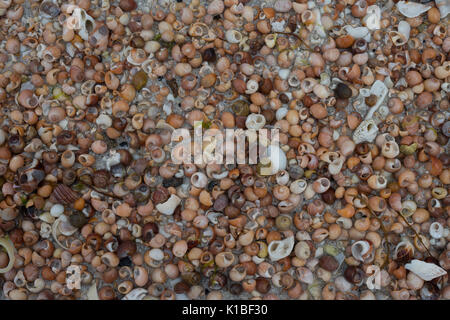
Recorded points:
360,249
233,36
169,206
281,249
82,19
366,131
255,121
444,7
112,159
358,32
284,73
380,90
404,28
281,113
92,293
277,159
136,294
57,210
282,5
64,227
436,230
252,86
156,254
373,17
412,9
298,186
426,271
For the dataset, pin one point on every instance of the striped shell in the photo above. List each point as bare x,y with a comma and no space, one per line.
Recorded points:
63,194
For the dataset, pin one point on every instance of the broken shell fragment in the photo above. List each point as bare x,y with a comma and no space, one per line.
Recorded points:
136,294
366,131
169,206
412,9
281,249
425,270
444,7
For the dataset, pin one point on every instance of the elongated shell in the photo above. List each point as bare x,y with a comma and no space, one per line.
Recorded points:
358,32
169,206
92,293
412,9
281,249
380,90
404,28
10,250
136,294
426,271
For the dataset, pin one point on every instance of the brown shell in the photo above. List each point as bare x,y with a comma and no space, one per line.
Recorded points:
63,194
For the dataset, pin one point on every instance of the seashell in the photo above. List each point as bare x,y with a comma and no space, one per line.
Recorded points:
83,22
397,38
216,7
92,293
64,195
408,208
282,5
65,227
136,294
252,86
425,270
372,18
412,9
281,249
277,159
57,210
233,36
298,186
49,9
304,275
366,131
169,206
8,246
30,178
403,251
255,121
443,6
404,28
362,251
379,90
436,230
156,254
281,113
358,32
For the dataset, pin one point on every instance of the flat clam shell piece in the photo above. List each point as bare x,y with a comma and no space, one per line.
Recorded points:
426,271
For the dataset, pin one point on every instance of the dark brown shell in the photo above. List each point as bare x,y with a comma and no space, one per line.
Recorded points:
101,178
63,194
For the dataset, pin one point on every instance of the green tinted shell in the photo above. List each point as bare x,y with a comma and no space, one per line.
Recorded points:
240,108
283,222
78,219
263,249
408,150
331,250
139,79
